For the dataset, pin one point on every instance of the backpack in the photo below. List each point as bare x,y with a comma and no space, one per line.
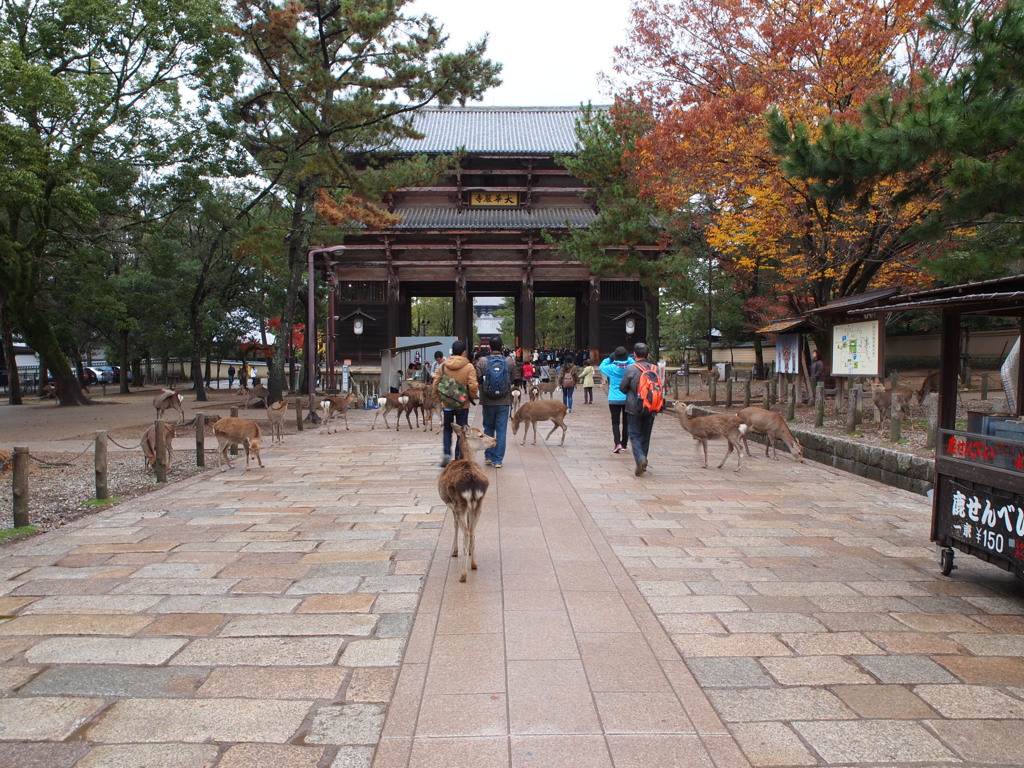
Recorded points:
453,393
650,397
568,382
496,379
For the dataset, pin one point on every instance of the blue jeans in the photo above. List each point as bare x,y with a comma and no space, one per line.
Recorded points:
640,434
460,417
495,425
567,396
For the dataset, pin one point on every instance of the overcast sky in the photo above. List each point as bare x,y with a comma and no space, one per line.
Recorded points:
552,50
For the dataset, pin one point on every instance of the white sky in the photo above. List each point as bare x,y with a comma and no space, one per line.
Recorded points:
552,50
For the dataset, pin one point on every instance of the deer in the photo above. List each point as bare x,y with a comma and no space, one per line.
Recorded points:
517,399
335,404
168,398
275,415
429,407
773,426
538,410
713,427
462,485
543,388
709,377
149,444
259,392
235,431
929,385
882,397
392,402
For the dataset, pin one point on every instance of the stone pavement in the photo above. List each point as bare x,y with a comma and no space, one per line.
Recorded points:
308,615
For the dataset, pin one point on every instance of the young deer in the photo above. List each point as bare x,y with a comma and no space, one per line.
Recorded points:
882,397
773,426
235,431
275,415
539,410
331,405
714,427
149,444
462,485
168,398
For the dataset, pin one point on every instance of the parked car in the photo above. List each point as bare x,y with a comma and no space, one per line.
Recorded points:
101,374
116,370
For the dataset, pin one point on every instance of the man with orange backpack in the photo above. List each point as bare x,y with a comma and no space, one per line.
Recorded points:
644,392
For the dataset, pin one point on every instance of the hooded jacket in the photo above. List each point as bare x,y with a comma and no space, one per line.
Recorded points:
460,369
614,370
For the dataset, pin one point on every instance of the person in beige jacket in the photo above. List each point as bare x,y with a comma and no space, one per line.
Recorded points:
461,369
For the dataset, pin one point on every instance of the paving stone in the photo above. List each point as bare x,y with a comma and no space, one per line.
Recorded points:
116,680
997,742
260,651
185,625
103,650
968,702
642,751
347,724
770,622
372,684
394,625
203,604
756,704
145,755
45,718
985,670
43,624
200,720
729,672
872,741
393,584
905,669
768,744
359,625
359,603
271,756
992,645
336,585
353,757
893,702
11,677
815,670
36,755
285,683
830,644
744,644
373,653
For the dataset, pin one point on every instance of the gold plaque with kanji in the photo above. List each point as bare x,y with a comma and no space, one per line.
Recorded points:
493,199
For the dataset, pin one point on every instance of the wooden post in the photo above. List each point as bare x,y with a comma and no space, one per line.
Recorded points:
728,394
931,405
713,391
102,492
819,404
851,410
895,420
675,385
766,400
298,413
746,393
687,384
20,486
234,414
984,386
200,439
791,405
161,451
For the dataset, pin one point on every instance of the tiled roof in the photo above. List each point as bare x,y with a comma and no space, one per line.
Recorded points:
495,130
427,217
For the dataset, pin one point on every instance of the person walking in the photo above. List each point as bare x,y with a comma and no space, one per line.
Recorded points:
587,380
641,423
496,400
568,382
231,376
461,370
614,367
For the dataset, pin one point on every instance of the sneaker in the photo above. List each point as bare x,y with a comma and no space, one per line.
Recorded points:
445,460
618,448
641,467
488,462
496,465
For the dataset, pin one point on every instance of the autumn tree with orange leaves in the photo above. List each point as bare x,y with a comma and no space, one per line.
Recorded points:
707,72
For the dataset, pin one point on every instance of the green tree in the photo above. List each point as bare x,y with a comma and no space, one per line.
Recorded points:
330,83
92,95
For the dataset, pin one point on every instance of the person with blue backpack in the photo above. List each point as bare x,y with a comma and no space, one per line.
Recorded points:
612,368
495,400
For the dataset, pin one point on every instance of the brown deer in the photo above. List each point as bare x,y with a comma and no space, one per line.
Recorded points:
235,431
929,385
543,388
392,402
275,415
883,397
709,377
773,426
149,444
259,392
168,398
330,405
532,412
713,427
462,485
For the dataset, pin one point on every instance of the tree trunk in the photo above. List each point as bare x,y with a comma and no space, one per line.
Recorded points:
40,336
122,360
10,359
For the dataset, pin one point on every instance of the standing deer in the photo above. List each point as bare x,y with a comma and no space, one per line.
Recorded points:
773,426
883,398
532,412
462,485
168,398
392,402
236,431
543,388
714,427
275,415
709,377
259,392
337,404
149,444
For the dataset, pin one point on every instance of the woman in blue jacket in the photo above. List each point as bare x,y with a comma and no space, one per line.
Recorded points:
613,367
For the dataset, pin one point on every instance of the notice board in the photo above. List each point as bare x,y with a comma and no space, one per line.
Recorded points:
857,349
